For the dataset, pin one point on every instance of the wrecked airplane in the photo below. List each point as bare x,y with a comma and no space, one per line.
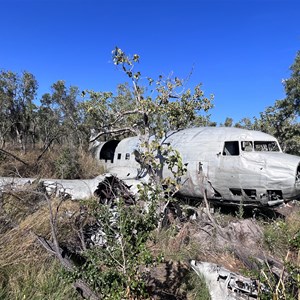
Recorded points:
231,165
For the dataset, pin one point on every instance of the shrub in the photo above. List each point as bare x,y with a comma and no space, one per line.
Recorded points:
114,265
67,164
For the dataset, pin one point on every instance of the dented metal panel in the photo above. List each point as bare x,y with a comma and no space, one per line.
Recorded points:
231,165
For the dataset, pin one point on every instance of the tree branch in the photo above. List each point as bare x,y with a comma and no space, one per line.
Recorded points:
121,116
54,249
80,285
47,147
14,156
113,131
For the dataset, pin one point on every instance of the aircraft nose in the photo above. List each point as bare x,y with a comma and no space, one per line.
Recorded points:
285,174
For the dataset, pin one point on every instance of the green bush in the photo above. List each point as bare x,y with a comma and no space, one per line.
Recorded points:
67,164
114,269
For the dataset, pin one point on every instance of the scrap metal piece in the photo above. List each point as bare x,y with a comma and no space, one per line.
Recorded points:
226,285
75,189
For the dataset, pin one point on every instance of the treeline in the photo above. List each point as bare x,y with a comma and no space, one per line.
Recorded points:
25,121
68,116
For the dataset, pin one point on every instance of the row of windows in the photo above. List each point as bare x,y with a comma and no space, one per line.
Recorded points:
232,148
127,156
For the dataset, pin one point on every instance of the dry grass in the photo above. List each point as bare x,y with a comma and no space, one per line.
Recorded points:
34,281
89,167
182,245
19,245
26,270
174,275
279,234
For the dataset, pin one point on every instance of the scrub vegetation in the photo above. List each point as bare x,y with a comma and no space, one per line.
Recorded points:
114,246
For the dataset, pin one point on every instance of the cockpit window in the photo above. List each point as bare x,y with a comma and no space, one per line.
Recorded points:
231,148
266,146
247,146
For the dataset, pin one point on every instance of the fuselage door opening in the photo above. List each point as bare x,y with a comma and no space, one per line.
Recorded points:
108,151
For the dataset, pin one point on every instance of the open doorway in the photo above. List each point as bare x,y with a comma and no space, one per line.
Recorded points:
108,150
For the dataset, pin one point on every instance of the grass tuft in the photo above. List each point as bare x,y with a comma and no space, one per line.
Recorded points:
26,269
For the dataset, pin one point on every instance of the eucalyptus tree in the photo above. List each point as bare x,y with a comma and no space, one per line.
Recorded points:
17,94
8,86
282,119
245,123
292,88
61,109
100,110
282,123
48,122
154,109
28,91
65,102
160,105
228,122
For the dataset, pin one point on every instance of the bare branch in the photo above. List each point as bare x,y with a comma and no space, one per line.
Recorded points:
46,148
54,249
79,284
14,156
113,131
121,116
45,244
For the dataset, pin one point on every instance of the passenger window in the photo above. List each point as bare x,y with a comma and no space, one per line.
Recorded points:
231,148
127,156
119,155
247,146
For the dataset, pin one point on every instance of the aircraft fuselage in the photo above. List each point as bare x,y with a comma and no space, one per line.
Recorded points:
230,165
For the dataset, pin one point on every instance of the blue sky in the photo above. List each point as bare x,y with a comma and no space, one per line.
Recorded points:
240,50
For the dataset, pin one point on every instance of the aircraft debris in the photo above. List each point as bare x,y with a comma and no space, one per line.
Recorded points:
226,285
74,189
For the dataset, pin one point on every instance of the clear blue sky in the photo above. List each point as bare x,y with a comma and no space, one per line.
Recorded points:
240,49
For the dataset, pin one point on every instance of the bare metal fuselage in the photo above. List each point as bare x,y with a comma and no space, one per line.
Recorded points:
230,165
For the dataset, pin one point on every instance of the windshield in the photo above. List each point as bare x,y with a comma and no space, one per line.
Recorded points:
266,146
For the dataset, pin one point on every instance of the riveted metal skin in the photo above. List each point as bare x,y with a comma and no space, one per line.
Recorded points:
229,164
